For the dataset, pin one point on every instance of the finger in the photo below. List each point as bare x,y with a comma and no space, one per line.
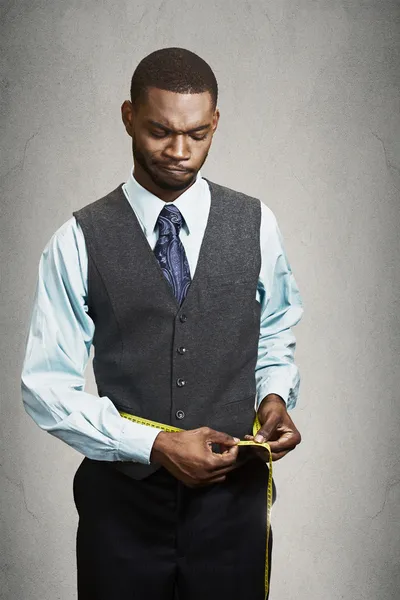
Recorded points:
222,472
216,476
264,455
220,469
232,450
224,460
219,437
279,455
288,441
217,479
264,433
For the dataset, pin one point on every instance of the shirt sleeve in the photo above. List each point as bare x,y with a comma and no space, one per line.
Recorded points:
281,309
57,351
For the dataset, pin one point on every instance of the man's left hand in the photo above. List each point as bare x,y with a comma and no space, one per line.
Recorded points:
277,428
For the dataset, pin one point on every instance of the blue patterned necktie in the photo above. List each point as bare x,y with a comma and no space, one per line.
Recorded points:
170,252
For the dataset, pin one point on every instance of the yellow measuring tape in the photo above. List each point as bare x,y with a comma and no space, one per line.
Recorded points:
256,427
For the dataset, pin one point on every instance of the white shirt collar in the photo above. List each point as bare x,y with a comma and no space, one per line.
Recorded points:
147,206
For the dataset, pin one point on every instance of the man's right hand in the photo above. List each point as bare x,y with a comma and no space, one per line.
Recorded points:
188,455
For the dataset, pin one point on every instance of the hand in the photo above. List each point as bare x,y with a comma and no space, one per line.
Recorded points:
277,428
189,457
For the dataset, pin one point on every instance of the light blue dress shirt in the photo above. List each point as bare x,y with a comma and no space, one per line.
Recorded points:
61,331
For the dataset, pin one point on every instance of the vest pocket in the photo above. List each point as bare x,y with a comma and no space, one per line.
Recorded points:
235,417
236,405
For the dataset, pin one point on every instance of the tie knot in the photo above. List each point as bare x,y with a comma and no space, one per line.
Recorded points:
170,220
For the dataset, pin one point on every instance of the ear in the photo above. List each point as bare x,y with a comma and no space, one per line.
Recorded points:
127,114
215,120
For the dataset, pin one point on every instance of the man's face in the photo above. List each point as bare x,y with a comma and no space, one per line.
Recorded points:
171,136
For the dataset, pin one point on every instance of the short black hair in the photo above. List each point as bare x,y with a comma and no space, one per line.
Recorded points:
176,70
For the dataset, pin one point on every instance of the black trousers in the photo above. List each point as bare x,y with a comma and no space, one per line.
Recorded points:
157,539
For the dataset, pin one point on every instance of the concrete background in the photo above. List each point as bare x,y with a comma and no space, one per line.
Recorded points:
309,99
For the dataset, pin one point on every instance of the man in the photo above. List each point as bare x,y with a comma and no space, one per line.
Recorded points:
185,291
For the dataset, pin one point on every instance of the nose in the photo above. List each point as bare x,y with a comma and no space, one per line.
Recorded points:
178,148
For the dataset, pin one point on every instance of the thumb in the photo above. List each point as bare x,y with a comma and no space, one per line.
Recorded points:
265,431
222,438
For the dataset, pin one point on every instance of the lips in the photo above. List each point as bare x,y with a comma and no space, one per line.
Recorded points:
173,169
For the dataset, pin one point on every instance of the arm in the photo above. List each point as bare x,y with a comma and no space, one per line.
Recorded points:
277,376
57,352
281,309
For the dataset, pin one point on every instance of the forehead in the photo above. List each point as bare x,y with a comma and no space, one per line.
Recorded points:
177,111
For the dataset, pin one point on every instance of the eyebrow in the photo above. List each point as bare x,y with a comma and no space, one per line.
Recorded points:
168,130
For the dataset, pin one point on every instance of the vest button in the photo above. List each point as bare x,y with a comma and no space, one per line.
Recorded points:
180,382
179,414
181,350
182,318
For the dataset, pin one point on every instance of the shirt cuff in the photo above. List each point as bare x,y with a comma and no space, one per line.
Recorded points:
273,386
136,442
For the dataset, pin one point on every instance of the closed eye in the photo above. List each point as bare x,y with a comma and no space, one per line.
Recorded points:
158,135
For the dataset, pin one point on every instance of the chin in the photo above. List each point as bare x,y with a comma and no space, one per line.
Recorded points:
165,184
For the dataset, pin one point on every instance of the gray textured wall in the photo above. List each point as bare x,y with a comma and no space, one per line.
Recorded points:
310,123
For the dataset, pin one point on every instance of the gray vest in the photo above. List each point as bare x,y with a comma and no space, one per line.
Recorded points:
187,366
